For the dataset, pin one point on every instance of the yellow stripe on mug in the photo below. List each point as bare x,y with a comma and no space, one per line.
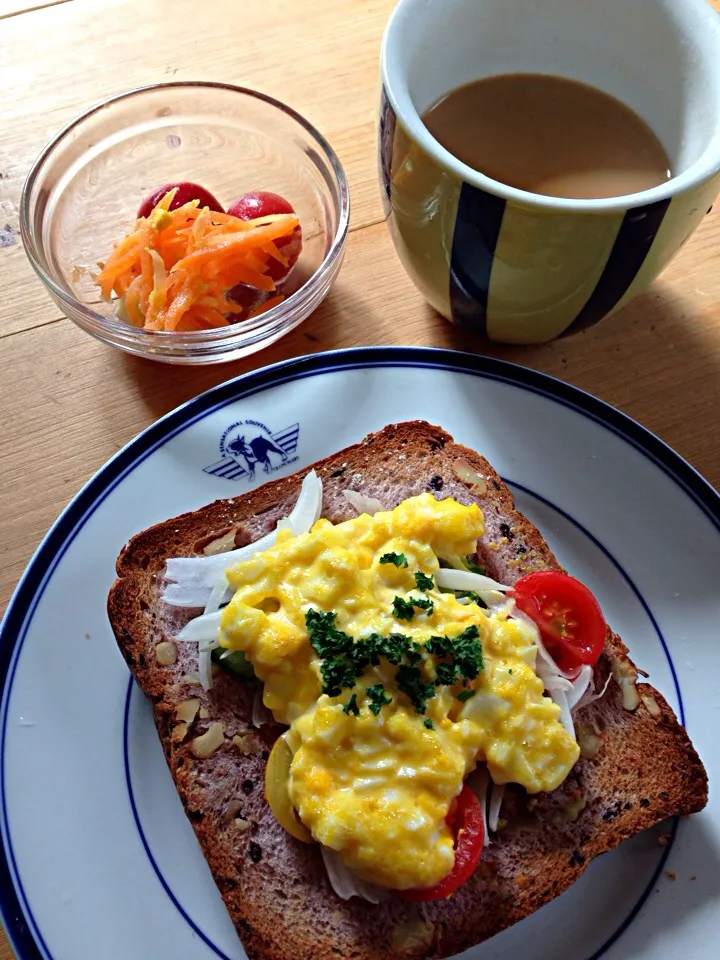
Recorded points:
545,269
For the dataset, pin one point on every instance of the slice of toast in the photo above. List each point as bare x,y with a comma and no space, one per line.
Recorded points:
644,768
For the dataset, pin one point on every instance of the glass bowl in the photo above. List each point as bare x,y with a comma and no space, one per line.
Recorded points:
83,191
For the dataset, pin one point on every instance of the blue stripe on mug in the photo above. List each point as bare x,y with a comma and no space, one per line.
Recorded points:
477,227
632,245
386,145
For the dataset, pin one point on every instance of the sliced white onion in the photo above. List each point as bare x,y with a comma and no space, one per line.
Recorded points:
220,595
210,645
205,669
499,605
544,655
202,629
555,682
346,884
260,713
580,686
479,781
560,698
590,696
465,580
196,577
363,504
496,799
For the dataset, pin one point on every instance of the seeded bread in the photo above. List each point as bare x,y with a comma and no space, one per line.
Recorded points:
644,767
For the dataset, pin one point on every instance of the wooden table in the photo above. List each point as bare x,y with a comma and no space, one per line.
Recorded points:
69,402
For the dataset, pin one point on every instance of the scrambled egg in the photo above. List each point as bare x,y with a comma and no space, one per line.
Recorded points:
374,779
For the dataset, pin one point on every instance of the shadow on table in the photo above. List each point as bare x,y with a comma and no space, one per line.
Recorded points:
162,386
657,360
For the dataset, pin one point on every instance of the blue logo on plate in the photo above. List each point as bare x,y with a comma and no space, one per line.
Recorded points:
249,443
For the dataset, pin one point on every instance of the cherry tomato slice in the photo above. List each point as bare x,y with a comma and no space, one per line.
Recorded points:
466,822
567,615
262,203
186,192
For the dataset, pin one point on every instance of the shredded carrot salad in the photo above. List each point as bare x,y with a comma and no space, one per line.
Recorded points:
175,268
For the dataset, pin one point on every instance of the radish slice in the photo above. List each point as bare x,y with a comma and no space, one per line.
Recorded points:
195,578
346,884
363,504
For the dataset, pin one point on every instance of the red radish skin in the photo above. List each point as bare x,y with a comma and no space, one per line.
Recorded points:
186,192
262,203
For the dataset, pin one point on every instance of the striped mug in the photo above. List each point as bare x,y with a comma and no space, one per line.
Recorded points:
516,266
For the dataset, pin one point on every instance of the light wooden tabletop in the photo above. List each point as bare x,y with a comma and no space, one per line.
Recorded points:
69,402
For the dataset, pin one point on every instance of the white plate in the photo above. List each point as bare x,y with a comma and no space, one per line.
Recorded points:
100,862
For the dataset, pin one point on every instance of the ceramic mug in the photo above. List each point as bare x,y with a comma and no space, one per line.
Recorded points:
516,266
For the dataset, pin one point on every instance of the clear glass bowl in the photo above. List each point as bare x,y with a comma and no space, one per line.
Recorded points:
85,187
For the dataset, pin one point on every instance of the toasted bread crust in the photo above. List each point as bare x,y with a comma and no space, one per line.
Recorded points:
275,887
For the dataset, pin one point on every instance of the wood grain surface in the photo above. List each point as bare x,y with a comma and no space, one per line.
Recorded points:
658,360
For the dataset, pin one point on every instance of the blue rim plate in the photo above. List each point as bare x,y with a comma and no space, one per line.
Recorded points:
98,860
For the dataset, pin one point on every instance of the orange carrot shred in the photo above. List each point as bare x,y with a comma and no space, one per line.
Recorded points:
175,268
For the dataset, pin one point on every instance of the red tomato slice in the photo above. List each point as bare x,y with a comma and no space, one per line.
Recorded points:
186,192
466,821
567,615
262,203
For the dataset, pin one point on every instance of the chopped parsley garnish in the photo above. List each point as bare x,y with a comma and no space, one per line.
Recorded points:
510,671
465,695
325,637
338,651
344,660
440,646
428,723
377,697
464,654
396,646
473,567
410,682
445,675
337,674
423,582
405,609
396,559
352,706
467,653
423,603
